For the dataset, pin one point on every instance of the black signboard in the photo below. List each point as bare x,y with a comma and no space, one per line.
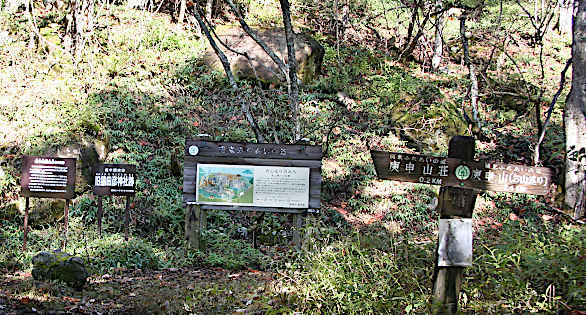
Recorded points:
115,179
48,177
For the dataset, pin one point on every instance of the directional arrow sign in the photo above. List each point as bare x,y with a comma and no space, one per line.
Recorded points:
453,172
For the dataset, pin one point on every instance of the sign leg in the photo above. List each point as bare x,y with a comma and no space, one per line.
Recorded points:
194,221
26,206
453,202
100,213
299,223
127,218
66,223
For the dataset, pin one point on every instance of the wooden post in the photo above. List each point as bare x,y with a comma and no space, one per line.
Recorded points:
26,206
195,219
299,223
126,218
100,213
66,223
453,202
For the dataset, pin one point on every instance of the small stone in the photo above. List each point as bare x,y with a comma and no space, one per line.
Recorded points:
58,265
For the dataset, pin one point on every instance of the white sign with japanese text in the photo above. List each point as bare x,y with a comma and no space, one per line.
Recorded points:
251,185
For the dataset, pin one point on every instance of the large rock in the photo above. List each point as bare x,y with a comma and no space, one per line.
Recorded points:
88,153
58,265
309,54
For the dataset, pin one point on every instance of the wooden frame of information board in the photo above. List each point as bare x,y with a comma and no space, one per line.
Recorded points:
115,180
47,177
255,155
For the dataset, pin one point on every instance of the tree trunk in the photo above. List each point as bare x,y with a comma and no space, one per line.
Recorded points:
80,25
293,85
209,8
411,26
471,71
438,45
565,17
575,121
182,7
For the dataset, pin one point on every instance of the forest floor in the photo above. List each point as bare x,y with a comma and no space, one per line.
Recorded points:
197,291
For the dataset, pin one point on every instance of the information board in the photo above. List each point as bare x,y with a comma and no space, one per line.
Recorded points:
281,177
48,177
250,185
114,179
454,172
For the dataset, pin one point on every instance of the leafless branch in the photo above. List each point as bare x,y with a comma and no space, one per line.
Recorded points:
550,110
226,65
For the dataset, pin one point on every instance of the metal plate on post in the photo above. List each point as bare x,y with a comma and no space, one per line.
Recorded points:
455,243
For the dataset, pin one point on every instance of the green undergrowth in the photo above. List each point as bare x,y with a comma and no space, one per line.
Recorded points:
525,262
142,88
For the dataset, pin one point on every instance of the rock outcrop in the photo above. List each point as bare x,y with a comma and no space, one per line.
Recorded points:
309,54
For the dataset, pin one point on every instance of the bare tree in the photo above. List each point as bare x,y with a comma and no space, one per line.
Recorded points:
80,24
575,120
438,41
245,107
293,82
473,89
289,69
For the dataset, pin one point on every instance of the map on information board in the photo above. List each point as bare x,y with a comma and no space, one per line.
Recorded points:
251,185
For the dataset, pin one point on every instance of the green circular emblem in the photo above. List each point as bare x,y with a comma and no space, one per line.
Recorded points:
462,172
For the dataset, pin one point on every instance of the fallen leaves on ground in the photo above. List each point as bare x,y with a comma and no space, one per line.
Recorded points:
171,290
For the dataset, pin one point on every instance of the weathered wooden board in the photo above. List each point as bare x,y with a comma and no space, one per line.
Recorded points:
48,177
454,172
255,154
252,150
114,179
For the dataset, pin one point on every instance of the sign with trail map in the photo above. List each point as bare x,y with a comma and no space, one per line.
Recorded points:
48,177
454,172
252,176
114,179
250,185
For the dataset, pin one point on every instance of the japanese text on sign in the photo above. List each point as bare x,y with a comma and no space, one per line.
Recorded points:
115,179
239,149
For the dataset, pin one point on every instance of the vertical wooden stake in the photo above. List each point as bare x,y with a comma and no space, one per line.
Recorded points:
194,222
26,206
66,223
100,213
453,202
299,223
126,218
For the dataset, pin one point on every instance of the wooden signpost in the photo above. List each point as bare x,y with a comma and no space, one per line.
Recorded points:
47,177
115,180
249,177
461,178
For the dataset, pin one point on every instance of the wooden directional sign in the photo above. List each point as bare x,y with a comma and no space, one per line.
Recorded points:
454,172
115,179
48,177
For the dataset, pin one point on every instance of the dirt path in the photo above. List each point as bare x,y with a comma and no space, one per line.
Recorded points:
171,291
